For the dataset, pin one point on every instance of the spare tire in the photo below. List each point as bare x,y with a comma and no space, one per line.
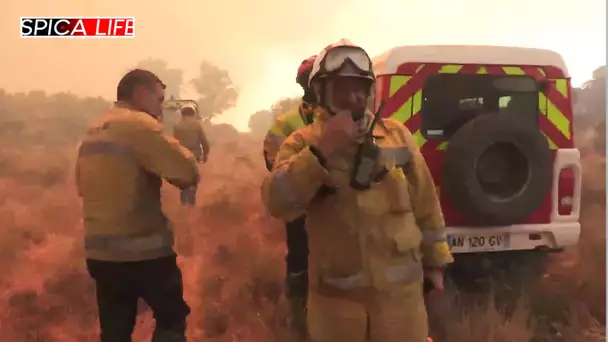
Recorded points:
497,170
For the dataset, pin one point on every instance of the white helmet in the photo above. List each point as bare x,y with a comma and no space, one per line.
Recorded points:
188,107
342,58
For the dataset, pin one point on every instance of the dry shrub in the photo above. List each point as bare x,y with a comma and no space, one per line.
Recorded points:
588,271
579,316
482,322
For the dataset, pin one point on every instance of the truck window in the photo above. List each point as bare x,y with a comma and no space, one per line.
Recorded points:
451,100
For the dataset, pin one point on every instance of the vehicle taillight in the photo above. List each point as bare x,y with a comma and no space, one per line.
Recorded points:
565,194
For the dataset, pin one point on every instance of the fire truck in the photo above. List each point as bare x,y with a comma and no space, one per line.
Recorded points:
495,125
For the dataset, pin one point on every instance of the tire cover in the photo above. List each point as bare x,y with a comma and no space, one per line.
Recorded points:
462,187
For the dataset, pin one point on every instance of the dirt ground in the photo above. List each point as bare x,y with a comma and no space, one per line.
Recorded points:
231,252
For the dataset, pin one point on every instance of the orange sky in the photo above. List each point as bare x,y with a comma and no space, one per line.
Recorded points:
261,42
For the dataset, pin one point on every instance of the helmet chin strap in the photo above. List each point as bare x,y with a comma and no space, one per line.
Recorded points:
319,89
329,97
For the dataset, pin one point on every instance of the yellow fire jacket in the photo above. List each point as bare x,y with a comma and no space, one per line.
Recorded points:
189,132
119,168
283,126
377,237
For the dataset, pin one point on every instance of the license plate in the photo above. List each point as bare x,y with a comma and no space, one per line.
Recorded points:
478,243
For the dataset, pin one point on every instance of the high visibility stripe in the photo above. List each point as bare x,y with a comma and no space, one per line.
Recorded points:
513,71
542,107
414,123
450,69
547,107
395,155
405,100
411,106
404,112
396,83
542,103
562,87
443,146
420,140
277,130
563,103
537,73
417,106
287,125
469,69
553,104
410,88
432,236
503,102
294,122
554,115
552,145
121,244
398,274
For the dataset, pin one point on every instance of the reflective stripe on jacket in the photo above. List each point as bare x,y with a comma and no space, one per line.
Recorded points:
375,237
284,125
119,168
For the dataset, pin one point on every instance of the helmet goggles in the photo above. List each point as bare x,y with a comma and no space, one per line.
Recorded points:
337,57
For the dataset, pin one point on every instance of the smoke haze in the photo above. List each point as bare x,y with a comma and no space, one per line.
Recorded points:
262,42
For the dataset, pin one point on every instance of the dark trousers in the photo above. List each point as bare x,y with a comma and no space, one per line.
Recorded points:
296,282
297,246
119,285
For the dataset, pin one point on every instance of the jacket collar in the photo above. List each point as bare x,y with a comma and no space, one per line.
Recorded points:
123,105
127,106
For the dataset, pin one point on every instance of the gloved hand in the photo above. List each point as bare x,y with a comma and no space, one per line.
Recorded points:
339,131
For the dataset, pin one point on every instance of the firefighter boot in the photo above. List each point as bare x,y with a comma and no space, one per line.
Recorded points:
296,289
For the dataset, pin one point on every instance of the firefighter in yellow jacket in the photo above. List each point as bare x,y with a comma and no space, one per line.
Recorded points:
189,132
128,241
296,280
294,119
374,223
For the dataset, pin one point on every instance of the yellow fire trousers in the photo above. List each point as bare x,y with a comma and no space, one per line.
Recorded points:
398,315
